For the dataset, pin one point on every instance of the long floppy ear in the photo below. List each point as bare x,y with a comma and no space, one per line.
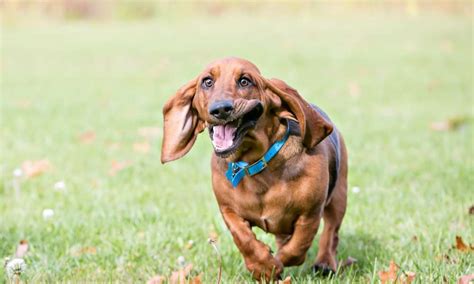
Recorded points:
314,128
181,124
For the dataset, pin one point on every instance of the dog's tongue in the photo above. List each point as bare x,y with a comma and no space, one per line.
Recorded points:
223,136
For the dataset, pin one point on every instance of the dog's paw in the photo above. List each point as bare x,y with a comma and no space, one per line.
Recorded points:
323,270
268,270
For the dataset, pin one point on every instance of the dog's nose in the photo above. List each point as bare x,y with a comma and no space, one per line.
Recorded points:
221,109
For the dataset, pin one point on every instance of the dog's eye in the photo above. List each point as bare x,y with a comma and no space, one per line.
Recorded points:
244,82
207,83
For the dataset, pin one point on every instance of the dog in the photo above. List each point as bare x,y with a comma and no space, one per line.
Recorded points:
279,163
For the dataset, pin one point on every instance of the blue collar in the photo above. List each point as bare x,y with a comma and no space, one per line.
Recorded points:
237,170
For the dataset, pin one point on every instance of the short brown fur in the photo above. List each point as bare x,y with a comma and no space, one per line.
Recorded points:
288,198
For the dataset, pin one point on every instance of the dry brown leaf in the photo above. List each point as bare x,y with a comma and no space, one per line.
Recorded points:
84,250
21,249
348,262
287,280
354,89
142,148
390,275
35,168
157,279
113,146
87,137
461,246
196,279
466,279
446,258
141,235
449,124
189,244
23,104
409,276
117,166
179,277
446,46
150,132
213,235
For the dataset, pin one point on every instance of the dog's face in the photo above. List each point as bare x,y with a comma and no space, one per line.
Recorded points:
238,106
229,100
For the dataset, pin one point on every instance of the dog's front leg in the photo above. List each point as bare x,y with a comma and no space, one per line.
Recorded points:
293,252
258,258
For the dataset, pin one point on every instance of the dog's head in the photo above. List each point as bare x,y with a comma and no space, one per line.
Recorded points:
239,107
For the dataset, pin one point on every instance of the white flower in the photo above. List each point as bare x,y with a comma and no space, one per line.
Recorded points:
60,185
15,267
356,189
48,213
17,173
181,261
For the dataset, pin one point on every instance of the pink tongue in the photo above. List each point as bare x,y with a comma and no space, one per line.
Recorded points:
223,136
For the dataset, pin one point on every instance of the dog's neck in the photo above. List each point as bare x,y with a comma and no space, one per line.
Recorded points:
258,142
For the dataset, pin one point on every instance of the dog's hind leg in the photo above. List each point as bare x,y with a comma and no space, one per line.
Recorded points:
333,214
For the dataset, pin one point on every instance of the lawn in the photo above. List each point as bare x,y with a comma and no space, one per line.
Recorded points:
87,95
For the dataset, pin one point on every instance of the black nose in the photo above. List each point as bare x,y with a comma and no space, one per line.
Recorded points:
221,109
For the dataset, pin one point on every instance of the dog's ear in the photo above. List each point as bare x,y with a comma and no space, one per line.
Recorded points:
314,128
181,124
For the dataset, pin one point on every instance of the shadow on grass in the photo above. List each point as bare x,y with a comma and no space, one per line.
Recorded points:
361,246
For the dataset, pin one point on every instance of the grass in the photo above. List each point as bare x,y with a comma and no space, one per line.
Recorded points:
383,77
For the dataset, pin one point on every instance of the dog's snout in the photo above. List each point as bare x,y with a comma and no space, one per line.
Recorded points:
221,109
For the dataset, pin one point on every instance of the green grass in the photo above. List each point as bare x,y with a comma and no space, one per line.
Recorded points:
61,79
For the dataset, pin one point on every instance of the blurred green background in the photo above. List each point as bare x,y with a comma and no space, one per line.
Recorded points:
83,84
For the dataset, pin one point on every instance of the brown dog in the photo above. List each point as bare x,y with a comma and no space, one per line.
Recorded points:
288,164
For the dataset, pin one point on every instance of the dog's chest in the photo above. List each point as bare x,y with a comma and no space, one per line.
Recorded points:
272,211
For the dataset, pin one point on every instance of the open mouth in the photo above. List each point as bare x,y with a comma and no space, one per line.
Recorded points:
227,137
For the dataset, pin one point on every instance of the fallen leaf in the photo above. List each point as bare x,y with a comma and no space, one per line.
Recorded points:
348,262
35,168
158,279
142,148
213,236
117,166
461,246
87,137
189,244
411,7
113,146
150,132
179,277
21,249
446,258
83,250
390,275
410,276
141,235
450,124
287,280
433,84
196,279
446,46
466,279
23,104
354,89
